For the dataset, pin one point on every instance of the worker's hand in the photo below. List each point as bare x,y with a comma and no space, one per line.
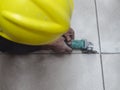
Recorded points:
62,44
69,36
59,46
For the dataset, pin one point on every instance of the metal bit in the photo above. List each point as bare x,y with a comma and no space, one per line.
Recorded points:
88,48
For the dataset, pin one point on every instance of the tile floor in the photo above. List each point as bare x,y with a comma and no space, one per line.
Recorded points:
95,20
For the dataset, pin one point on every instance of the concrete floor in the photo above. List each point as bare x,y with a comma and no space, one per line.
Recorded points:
95,20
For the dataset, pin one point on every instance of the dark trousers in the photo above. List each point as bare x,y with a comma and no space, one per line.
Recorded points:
15,48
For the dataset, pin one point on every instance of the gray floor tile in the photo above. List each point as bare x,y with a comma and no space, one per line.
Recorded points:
50,72
109,22
84,21
111,64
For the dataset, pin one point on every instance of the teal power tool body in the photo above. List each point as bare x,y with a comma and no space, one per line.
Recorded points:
83,45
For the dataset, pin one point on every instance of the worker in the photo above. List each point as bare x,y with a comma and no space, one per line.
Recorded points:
30,25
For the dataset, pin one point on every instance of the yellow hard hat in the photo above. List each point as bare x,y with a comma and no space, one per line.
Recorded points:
34,22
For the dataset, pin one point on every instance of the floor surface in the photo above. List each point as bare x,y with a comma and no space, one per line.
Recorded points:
95,20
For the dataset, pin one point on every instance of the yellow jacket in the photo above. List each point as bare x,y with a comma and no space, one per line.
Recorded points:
34,22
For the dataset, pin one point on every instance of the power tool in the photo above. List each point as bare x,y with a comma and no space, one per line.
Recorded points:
84,45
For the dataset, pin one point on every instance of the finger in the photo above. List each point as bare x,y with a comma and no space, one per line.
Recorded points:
68,50
72,33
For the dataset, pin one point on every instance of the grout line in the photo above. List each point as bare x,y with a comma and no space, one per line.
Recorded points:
81,53
65,53
54,54
110,53
106,53
103,53
99,41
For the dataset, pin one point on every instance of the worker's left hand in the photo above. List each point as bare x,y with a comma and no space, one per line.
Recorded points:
62,44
